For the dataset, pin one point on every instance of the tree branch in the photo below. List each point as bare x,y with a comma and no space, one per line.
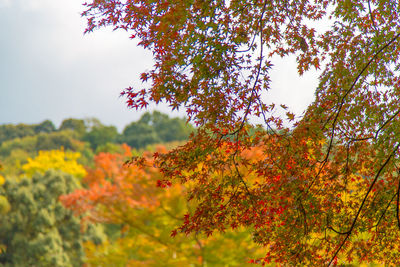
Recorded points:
348,233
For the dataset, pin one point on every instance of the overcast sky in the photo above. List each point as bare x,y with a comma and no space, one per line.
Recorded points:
50,70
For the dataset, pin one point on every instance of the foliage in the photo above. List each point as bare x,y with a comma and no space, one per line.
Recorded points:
46,126
100,135
75,125
139,135
4,204
28,144
109,148
167,129
14,151
143,216
36,230
10,131
42,141
67,139
13,163
153,128
64,161
214,57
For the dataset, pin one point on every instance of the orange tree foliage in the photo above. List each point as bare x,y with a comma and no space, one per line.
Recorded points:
328,187
127,197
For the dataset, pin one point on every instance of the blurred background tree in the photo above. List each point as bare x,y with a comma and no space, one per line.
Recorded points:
153,128
35,229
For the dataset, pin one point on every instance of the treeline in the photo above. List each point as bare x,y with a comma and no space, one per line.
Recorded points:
87,136
151,128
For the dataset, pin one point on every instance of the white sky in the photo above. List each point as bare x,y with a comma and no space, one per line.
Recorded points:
50,70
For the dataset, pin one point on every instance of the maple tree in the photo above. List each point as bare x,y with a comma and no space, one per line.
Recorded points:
327,188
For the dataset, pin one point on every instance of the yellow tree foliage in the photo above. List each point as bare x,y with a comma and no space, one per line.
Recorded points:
64,161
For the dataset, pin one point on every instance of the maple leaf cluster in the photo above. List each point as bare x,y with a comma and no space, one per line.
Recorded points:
324,191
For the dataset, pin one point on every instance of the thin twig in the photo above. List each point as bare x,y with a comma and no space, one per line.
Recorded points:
348,232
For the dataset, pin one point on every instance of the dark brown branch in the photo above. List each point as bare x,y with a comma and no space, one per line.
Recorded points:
384,212
377,131
348,232
371,16
243,182
360,139
336,231
342,101
258,68
386,122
